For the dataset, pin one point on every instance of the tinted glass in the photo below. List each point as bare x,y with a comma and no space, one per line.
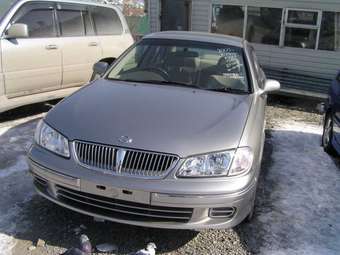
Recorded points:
228,19
302,17
205,66
106,21
300,38
71,23
264,25
40,23
89,30
330,31
175,15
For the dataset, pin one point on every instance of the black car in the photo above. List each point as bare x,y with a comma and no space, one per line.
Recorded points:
331,131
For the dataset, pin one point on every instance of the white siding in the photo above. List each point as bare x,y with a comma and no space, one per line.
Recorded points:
201,15
326,5
154,14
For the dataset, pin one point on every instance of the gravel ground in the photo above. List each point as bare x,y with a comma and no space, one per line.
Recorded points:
29,217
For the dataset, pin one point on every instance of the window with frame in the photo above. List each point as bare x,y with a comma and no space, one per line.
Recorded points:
228,19
301,28
89,29
71,22
106,21
264,25
39,19
330,31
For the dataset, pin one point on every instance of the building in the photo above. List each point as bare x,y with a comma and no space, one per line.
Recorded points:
297,42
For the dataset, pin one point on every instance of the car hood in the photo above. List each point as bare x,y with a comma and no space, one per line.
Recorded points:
167,119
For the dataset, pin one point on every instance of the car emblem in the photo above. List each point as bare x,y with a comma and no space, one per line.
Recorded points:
125,139
120,159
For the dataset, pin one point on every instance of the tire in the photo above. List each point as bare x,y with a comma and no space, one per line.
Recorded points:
327,136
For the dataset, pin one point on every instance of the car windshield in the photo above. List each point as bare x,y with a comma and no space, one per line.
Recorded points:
207,66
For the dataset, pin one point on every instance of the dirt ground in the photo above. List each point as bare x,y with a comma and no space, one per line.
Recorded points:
296,207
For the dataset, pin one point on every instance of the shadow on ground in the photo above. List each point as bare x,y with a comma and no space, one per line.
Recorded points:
295,103
27,110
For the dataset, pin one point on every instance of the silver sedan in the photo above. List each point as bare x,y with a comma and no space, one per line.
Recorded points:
170,136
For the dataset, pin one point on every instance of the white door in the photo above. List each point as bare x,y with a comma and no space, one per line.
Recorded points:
33,64
80,47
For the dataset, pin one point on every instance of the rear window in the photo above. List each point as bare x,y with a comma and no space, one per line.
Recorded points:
106,21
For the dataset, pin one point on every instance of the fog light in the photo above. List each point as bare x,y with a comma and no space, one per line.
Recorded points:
222,212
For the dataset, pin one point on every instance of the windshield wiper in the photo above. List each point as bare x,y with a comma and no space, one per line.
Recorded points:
174,83
170,83
230,90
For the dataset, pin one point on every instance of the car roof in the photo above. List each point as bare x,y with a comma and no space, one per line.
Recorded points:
198,36
86,2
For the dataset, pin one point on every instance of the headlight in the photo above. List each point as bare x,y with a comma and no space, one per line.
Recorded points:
242,162
227,163
51,140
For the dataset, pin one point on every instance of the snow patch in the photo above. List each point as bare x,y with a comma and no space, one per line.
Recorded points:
3,130
301,211
19,166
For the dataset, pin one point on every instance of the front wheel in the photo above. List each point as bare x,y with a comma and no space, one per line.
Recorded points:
327,136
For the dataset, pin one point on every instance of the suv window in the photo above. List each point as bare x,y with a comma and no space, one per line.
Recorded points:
39,18
89,30
107,21
71,23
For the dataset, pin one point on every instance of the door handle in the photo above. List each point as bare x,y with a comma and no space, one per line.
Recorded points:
93,44
51,47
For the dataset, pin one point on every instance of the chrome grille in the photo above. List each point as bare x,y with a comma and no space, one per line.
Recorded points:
130,162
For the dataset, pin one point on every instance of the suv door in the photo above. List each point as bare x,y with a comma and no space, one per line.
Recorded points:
79,44
110,31
32,65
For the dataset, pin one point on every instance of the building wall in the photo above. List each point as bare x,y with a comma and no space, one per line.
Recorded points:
297,69
154,15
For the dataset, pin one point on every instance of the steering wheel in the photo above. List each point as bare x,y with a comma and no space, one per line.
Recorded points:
164,74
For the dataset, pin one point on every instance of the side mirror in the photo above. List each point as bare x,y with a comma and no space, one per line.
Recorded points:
17,30
100,68
271,86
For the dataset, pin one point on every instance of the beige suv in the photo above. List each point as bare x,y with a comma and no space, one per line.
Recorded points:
48,48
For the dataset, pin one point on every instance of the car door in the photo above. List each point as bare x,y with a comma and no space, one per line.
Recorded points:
80,46
114,40
32,65
335,96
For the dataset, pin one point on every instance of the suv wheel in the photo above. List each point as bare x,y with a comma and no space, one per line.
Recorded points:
327,136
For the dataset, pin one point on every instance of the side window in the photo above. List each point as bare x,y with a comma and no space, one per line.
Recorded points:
330,31
106,21
228,19
71,22
301,28
39,18
89,30
264,25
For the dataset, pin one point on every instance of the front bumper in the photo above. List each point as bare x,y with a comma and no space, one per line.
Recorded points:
148,203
